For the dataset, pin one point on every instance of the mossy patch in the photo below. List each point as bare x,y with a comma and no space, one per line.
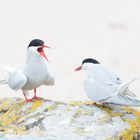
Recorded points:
83,118
134,132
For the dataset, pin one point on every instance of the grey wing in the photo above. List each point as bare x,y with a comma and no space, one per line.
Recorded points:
100,74
104,76
16,80
98,91
50,80
115,78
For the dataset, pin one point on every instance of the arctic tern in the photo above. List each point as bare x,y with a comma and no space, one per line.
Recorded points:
35,73
104,86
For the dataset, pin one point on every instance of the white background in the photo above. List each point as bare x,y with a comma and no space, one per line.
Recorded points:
106,30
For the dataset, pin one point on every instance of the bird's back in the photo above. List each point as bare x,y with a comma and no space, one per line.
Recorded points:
102,75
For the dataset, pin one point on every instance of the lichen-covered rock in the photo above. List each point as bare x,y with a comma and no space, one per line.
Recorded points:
45,119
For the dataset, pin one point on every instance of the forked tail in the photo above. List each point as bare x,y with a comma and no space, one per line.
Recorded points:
123,96
124,86
9,70
3,81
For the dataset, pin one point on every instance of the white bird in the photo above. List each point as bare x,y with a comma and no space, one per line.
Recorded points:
35,73
104,86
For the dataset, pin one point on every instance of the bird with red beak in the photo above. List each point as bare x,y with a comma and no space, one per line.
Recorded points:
35,73
104,86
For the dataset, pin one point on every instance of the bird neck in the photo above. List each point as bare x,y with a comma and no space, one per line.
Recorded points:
93,70
33,58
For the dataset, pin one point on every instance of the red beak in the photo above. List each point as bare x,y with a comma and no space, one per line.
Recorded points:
41,51
79,68
44,46
44,55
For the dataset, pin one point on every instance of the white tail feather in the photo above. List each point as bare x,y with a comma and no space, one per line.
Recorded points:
127,97
9,69
3,81
125,85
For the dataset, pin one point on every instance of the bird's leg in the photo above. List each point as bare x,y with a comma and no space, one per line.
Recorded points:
27,100
35,97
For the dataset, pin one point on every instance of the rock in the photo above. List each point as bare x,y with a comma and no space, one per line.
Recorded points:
46,119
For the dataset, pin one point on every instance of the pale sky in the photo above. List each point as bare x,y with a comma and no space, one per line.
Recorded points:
106,30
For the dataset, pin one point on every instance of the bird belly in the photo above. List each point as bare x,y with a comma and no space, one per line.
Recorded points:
38,79
31,85
35,79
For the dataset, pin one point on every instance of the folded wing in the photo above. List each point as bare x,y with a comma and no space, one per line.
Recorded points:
16,80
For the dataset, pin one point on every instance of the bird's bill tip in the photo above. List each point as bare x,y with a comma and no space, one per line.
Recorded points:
79,68
45,46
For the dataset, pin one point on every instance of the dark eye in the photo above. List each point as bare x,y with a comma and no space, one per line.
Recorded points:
39,49
118,78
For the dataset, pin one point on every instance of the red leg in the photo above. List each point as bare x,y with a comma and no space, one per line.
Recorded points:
27,100
35,97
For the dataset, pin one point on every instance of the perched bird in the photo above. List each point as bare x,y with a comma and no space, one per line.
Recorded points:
35,73
104,86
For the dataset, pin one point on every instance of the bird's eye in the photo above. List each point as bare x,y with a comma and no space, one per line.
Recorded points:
39,49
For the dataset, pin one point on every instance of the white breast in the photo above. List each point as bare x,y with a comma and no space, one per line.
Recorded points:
36,71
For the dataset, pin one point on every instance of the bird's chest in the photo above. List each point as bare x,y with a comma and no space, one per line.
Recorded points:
36,73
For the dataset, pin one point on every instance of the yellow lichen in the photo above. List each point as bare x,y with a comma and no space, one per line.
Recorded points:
36,104
5,105
110,112
81,111
128,134
80,131
131,133
75,103
11,115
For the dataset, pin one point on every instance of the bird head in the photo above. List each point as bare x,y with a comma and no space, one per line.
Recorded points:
37,46
87,64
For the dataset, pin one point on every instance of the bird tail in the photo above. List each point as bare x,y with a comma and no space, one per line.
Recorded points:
124,86
124,96
123,101
3,81
9,70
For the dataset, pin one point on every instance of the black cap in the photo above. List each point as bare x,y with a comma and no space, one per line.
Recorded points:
36,43
90,60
